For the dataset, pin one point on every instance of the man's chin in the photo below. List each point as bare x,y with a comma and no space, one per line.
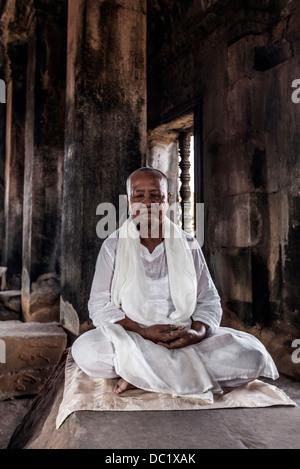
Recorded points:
148,223
149,218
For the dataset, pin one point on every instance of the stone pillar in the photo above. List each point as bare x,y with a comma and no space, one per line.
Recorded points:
14,165
44,148
2,166
185,190
105,132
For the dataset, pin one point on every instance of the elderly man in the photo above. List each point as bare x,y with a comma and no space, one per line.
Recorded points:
156,310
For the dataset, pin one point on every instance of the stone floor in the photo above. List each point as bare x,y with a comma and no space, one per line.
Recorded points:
262,428
12,412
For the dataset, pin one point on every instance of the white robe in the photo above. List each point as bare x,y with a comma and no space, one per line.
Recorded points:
224,356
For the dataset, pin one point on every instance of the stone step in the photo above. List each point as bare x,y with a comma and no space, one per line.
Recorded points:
28,353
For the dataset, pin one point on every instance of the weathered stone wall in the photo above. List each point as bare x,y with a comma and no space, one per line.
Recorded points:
69,145
239,62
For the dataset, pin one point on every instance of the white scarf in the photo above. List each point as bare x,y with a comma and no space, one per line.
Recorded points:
129,290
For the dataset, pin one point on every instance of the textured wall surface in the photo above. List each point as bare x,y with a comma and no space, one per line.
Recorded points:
239,62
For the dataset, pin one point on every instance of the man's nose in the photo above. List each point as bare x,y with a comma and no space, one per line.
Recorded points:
147,200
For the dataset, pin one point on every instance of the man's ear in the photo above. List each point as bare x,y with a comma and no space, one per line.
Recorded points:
127,201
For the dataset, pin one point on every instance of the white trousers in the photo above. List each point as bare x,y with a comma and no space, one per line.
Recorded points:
231,357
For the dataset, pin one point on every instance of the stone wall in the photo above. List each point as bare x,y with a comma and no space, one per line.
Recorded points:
239,64
75,128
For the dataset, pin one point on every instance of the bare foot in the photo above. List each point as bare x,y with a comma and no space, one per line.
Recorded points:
122,386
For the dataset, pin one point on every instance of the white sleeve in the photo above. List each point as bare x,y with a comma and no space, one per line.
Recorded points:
101,309
208,308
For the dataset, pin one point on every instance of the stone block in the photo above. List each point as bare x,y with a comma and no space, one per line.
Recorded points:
11,299
43,299
25,382
31,350
8,314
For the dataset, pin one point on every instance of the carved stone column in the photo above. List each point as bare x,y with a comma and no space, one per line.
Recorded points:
185,177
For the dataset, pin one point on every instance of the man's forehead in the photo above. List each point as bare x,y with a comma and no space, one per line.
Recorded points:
146,178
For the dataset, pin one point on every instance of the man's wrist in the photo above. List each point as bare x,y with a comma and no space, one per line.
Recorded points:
198,325
200,328
142,332
130,325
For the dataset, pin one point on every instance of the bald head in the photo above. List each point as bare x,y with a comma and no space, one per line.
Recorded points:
151,172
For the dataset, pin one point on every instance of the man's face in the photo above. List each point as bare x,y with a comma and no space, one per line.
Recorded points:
148,198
